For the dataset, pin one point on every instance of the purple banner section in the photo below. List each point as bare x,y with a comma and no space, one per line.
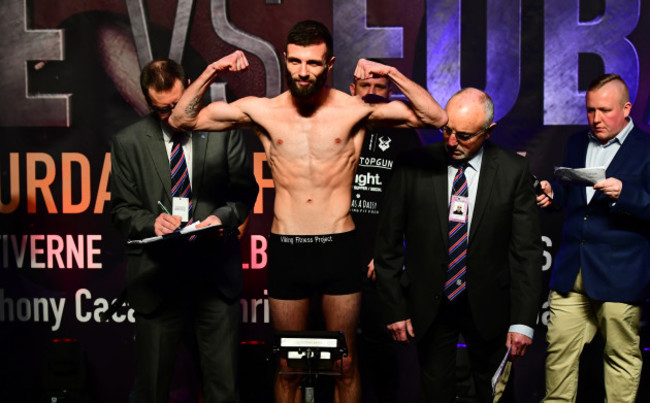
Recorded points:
503,51
566,35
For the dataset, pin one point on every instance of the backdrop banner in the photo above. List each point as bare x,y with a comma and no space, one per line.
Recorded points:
69,75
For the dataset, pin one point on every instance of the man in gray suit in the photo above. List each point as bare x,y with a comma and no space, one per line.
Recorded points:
178,282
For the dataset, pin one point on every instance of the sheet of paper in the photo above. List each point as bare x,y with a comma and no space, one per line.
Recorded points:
580,176
499,372
191,227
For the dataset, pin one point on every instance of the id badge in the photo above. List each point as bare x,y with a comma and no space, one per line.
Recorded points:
181,207
458,209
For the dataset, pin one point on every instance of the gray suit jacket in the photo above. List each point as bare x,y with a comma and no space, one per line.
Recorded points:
504,255
222,184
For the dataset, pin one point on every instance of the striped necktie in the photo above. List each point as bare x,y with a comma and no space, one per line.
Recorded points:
180,176
457,266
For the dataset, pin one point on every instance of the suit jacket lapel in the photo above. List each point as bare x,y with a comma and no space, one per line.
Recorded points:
581,162
441,192
442,202
623,156
487,176
156,147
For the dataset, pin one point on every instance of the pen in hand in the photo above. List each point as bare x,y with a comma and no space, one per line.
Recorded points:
162,206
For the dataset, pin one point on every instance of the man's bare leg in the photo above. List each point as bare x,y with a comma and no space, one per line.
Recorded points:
288,315
341,313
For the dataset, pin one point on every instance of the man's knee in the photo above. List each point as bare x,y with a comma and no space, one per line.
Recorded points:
289,381
350,367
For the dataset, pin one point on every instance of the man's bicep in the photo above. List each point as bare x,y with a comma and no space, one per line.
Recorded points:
394,114
219,116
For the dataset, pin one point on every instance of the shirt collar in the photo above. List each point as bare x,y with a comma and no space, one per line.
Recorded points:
168,132
475,161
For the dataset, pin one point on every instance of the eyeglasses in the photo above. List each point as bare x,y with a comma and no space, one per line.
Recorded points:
164,109
462,136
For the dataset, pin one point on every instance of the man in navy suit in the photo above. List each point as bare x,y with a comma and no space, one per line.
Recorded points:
176,282
601,273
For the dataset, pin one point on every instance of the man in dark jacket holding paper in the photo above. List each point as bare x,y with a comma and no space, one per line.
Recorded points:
175,282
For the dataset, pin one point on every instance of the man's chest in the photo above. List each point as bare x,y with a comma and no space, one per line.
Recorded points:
320,137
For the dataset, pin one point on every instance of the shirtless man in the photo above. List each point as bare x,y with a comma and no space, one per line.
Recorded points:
312,136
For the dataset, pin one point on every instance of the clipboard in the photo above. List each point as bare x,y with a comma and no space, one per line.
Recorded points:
185,232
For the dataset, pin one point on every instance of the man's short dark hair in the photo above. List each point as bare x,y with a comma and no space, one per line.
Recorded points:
603,79
161,74
311,32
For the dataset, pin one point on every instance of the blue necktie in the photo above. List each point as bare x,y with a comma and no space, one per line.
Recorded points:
457,266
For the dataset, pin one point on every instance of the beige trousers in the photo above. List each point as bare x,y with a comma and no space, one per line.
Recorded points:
574,320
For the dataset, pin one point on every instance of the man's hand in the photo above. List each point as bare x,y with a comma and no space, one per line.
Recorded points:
371,271
166,224
402,330
421,110
368,69
209,220
236,61
543,200
612,187
519,344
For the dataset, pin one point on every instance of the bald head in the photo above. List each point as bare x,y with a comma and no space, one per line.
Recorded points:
470,113
473,100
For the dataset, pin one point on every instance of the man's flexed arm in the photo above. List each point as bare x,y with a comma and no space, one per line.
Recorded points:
189,114
424,110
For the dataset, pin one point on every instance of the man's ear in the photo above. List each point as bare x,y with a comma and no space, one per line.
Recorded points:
330,63
488,132
627,107
353,89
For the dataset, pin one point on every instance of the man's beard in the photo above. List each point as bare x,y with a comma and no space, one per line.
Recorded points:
306,91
